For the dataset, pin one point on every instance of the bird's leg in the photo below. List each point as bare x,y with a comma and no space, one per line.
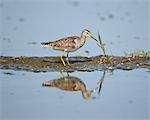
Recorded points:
61,57
62,75
67,59
67,74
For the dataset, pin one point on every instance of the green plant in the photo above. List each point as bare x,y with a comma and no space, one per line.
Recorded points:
101,44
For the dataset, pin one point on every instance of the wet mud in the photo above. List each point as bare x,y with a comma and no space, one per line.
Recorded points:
78,63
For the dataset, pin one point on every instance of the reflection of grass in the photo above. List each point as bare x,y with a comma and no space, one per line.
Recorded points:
101,44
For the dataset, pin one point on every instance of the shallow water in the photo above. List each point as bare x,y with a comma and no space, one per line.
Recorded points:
123,27
121,97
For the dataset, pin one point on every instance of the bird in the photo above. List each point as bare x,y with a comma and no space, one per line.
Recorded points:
69,83
69,44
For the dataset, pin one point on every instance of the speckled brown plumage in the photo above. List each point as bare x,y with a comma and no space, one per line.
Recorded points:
70,83
63,44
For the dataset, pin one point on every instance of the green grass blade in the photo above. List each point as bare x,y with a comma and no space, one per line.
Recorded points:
99,38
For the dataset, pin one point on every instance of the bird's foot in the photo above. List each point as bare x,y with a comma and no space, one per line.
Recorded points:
68,62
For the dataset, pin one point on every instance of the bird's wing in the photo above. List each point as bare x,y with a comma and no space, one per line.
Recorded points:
65,43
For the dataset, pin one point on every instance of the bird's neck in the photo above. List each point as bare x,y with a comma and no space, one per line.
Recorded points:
81,41
83,37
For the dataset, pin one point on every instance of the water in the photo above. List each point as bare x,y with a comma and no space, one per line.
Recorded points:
123,27
23,96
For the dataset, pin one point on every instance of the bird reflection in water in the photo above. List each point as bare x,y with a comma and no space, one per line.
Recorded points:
69,83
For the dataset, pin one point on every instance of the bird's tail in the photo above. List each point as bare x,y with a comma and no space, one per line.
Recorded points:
48,83
46,44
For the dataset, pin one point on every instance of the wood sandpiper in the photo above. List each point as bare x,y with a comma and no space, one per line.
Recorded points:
68,44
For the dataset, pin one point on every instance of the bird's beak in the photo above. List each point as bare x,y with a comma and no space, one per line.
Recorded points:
94,38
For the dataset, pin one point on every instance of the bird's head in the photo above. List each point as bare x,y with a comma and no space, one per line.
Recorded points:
87,33
87,94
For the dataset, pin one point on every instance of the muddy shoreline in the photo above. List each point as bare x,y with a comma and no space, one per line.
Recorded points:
78,63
